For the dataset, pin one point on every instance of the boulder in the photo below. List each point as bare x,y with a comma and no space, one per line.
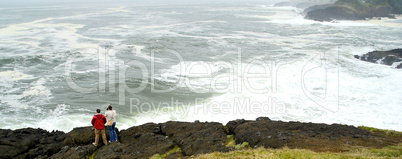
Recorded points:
231,125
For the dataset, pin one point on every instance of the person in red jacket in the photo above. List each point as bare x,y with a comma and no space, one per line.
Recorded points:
98,121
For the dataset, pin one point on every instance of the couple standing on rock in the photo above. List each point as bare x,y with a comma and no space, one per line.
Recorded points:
99,121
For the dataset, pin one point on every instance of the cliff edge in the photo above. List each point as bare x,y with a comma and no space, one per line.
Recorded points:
180,139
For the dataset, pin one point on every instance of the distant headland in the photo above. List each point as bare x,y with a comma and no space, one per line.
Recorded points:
354,10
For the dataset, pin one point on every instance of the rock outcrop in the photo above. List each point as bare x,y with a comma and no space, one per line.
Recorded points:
348,10
391,58
30,143
317,137
180,139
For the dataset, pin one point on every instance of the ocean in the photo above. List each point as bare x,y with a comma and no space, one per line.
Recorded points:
215,62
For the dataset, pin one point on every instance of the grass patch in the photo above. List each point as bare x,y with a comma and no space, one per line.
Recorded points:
232,143
92,156
176,149
386,133
387,152
226,129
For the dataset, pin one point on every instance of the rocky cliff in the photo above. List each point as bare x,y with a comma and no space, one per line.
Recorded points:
180,139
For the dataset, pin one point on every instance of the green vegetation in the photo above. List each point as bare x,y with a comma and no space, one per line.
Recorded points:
226,129
388,152
386,133
176,149
356,4
244,150
92,156
396,5
231,143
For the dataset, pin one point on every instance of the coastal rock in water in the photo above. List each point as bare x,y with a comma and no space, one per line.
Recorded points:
391,58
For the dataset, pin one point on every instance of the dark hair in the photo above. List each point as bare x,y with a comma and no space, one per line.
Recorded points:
110,107
98,110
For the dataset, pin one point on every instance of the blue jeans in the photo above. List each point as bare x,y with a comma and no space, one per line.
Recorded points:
112,132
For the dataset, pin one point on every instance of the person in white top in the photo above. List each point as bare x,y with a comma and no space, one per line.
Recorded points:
111,123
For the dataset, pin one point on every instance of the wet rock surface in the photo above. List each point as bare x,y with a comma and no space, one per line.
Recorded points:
180,139
391,57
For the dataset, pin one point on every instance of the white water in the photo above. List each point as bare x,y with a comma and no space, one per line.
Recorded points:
238,61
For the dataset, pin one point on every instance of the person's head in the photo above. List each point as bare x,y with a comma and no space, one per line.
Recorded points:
109,107
97,110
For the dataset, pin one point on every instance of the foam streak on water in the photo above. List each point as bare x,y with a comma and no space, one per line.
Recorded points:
192,62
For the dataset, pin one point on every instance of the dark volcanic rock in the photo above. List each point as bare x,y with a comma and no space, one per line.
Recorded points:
84,135
140,142
149,139
196,138
29,143
75,152
183,139
319,137
231,125
384,57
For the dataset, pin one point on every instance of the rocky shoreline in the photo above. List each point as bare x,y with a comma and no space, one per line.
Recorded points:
187,139
391,57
